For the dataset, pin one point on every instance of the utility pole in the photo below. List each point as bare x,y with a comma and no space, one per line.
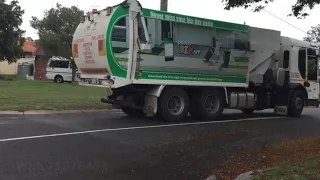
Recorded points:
163,5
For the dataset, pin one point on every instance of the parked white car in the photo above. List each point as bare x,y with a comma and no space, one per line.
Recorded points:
59,70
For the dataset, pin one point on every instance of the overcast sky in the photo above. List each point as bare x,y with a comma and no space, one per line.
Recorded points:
211,9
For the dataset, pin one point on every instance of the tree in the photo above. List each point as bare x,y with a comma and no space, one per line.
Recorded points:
313,34
11,39
56,31
298,9
29,39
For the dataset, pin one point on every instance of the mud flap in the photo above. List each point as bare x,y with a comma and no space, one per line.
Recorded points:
281,110
151,105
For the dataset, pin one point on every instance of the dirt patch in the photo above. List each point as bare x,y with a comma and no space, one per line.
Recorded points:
270,156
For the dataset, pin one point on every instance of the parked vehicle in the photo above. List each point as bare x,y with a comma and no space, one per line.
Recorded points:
167,64
59,70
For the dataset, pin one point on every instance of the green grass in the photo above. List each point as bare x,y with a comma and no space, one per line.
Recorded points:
39,95
305,170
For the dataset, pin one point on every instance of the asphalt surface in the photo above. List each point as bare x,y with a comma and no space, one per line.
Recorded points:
112,146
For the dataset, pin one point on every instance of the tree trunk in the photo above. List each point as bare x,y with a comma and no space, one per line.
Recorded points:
73,75
74,70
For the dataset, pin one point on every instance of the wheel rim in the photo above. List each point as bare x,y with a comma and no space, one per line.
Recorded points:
298,102
175,105
211,104
59,80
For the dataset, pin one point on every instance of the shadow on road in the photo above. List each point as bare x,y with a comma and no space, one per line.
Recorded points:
224,117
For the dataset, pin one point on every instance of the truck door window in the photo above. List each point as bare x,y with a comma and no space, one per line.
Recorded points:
286,57
302,62
312,65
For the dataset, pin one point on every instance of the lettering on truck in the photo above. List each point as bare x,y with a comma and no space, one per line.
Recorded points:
98,37
88,54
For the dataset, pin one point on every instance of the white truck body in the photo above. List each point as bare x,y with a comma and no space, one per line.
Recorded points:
129,46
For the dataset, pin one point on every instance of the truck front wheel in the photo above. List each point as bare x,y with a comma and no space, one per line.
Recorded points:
296,104
174,104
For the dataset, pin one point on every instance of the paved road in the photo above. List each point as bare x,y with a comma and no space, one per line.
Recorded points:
111,146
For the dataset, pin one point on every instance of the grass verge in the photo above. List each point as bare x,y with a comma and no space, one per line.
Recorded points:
40,95
270,156
305,170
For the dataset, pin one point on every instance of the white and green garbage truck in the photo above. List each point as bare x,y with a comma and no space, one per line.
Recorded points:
166,64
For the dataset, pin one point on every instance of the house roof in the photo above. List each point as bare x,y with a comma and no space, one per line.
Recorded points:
30,46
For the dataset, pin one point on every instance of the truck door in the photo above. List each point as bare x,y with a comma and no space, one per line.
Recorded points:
312,77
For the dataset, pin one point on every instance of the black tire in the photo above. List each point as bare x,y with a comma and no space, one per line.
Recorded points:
58,79
172,97
247,111
296,104
133,112
208,105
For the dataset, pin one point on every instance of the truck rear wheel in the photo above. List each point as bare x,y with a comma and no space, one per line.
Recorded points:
208,105
133,112
296,104
174,104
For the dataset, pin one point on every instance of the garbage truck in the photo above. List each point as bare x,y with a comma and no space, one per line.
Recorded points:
171,65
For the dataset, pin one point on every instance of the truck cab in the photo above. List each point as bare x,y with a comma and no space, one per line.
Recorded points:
301,60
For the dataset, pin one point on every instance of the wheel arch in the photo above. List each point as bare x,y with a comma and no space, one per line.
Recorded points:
297,86
58,75
156,91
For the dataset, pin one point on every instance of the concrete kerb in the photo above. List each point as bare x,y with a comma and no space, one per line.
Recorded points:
11,113
47,112
249,175
245,176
